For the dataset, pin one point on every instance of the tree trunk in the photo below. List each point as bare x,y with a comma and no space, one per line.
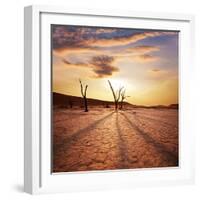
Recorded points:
116,106
85,103
121,105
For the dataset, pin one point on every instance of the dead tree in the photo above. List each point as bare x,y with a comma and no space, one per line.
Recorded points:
84,93
116,95
123,97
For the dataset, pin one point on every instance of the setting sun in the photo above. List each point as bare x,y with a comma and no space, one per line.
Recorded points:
118,83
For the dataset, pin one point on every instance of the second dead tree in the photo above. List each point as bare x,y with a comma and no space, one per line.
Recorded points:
84,93
123,97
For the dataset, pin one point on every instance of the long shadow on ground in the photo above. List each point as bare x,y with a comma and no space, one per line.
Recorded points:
79,134
149,140
122,147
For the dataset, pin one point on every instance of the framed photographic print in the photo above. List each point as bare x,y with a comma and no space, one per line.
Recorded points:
107,99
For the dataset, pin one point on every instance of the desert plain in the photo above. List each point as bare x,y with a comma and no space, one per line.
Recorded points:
103,139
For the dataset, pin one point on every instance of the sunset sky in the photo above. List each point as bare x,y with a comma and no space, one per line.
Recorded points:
145,62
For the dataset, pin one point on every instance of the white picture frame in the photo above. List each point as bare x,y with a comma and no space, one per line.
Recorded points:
37,136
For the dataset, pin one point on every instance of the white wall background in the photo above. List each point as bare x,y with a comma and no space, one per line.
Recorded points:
11,99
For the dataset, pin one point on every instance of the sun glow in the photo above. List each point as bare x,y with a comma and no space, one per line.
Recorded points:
118,83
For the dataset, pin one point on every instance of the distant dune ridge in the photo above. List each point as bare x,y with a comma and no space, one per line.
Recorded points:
67,101
62,100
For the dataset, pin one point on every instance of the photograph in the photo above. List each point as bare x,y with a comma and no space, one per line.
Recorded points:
114,98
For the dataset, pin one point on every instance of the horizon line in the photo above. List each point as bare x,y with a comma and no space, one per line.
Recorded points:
124,101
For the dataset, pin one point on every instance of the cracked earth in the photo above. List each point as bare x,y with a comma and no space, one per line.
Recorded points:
102,139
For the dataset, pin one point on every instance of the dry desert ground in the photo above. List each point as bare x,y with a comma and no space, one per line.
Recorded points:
103,139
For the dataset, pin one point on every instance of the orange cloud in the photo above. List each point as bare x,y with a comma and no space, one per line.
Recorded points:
142,49
155,70
160,74
105,30
134,51
145,58
117,41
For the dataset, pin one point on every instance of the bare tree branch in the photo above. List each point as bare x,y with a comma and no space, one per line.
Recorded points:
85,90
81,87
114,95
119,93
